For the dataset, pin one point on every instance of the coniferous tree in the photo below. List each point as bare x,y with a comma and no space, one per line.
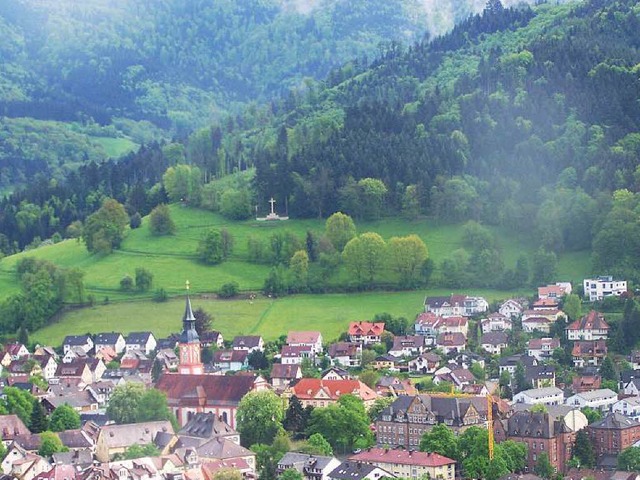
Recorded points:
296,417
39,422
23,335
583,450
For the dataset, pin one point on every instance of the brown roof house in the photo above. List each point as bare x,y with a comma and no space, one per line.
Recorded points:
612,435
114,439
283,375
590,327
219,394
345,354
542,433
589,353
10,427
451,342
405,421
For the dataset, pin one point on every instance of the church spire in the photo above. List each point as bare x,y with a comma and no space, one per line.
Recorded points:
189,333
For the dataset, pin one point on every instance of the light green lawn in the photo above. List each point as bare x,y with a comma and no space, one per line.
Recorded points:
270,318
172,259
115,147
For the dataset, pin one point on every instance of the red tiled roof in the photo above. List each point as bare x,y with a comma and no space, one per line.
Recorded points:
551,290
595,348
366,328
591,321
545,302
455,322
458,299
310,388
428,318
402,457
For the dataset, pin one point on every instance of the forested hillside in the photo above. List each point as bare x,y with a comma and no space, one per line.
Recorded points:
134,71
523,117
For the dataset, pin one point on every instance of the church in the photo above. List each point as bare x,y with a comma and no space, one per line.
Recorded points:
190,390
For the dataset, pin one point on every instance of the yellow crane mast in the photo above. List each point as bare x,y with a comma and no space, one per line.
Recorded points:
490,401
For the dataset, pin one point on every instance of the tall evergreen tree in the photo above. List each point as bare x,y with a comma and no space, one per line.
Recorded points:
39,422
583,450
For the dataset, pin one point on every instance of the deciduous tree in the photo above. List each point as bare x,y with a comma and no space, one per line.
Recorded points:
104,230
364,256
50,443
259,417
210,248
124,402
339,229
406,257
64,418
160,221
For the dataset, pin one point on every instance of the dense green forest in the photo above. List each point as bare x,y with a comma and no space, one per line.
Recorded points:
139,66
143,69
524,117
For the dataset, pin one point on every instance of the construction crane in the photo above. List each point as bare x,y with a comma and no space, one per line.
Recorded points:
490,402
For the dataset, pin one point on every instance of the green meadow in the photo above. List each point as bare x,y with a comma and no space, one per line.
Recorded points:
268,317
115,147
172,261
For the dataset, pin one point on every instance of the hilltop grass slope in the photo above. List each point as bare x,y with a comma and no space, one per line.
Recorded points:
172,259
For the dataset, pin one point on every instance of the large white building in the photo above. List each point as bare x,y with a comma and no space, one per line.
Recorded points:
545,396
601,399
629,407
597,288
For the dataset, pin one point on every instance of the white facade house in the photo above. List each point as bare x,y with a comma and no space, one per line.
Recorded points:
542,348
494,342
536,324
496,322
632,387
601,399
629,407
592,326
596,289
511,308
545,396
310,339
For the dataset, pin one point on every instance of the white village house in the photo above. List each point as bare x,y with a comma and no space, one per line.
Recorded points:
545,396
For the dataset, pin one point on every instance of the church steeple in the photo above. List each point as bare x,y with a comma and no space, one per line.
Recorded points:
189,344
189,333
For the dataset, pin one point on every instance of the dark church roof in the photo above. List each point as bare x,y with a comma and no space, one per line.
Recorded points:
206,425
189,333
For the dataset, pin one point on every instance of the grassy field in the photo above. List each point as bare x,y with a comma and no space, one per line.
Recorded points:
270,318
115,147
172,259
